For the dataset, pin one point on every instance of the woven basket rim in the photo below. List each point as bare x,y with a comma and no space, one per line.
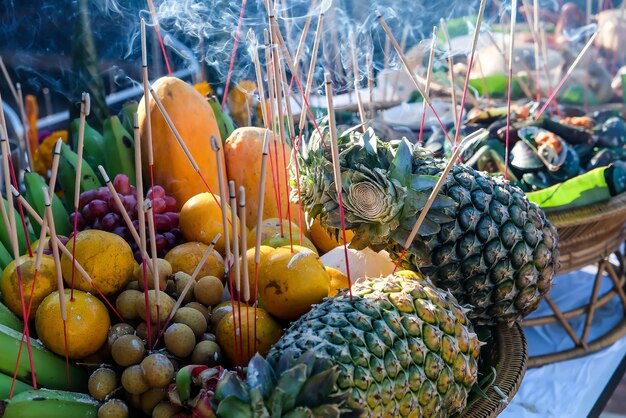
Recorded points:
590,213
512,352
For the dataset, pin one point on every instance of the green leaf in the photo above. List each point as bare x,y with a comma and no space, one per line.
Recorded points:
260,375
290,383
231,406
402,164
422,182
231,385
300,413
317,388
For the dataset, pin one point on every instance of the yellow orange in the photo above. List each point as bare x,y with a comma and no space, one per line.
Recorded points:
338,281
45,284
201,219
186,257
87,324
290,282
323,240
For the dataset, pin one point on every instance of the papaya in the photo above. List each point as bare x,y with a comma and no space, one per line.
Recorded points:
243,151
194,119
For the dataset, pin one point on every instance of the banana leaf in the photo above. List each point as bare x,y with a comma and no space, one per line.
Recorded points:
86,75
496,85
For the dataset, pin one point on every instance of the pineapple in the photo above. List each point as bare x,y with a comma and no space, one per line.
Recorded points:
401,347
482,239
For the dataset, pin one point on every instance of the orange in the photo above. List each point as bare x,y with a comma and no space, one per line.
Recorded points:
265,252
338,281
271,227
323,239
106,257
277,241
44,284
268,332
201,220
289,283
186,257
87,324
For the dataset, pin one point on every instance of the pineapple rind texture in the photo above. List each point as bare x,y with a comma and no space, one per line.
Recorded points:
402,346
482,239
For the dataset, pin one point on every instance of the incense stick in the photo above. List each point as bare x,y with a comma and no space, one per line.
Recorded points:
185,290
481,12
536,46
337,171
410,73
429,72
355,70
234,52
311,72
236,262
155,262
4,144
215,144
157,29
370,84
7,78
85,108
244,261
455,111
59,274
508,89
435,191
567,74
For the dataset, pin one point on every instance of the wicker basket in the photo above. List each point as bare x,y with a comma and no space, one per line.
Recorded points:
512,355
588,235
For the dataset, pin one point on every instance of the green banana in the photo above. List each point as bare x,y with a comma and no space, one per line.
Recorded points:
224,121
49,404
93,143
67,176
5,256
34,184
126,115
5,386
5,235
119,150
49,367
8,319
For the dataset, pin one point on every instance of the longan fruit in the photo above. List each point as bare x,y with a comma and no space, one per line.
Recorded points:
126,303
117,330
206,352
165,270
128,350
207,336
158,369
206,312
192,318
132,285
134,381
142,331
219,313
151,398
166,304
102,382
113,408
209,290
179,340
164,410
181,279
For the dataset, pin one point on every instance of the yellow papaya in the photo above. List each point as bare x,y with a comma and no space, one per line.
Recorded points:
194,119
243,151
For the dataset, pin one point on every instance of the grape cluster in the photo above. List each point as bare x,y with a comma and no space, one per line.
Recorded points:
97,210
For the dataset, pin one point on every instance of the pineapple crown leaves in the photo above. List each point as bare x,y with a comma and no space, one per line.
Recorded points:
290,387
382,195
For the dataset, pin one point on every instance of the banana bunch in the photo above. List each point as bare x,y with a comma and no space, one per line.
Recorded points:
49,404
67,175
119,154
224,121
50,368
6,256
34,184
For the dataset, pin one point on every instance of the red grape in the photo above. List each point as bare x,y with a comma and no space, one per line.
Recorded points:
173,216
171,239
137,254
158,206
110,221
98,208
136,224
97,224
64,240
88,215
103,193
129,202
170,204
121,184
161,242
163,223
122,231
86,197
157,192
80,221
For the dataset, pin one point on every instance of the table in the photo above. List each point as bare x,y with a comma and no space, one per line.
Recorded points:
575,388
